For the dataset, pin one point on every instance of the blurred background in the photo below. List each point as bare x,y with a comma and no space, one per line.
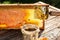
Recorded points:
55,3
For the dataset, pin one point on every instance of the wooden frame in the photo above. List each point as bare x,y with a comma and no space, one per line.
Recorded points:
18,6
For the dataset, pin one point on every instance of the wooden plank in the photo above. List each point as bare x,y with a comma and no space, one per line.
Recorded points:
11,35
24,5
51,26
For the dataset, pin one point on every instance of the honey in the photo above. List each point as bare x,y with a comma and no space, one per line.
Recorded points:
16,15
43,38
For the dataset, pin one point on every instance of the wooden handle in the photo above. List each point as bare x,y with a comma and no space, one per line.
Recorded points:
54,13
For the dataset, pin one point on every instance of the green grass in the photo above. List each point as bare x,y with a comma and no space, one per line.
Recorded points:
6,2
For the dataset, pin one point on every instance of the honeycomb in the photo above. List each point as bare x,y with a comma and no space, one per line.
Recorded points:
15,17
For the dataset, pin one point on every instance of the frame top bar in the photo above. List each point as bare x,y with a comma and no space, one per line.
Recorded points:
24,5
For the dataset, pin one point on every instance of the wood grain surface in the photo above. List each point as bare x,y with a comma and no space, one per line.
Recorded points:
10,35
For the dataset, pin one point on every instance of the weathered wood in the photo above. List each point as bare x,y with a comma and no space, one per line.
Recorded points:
55,13
24,5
